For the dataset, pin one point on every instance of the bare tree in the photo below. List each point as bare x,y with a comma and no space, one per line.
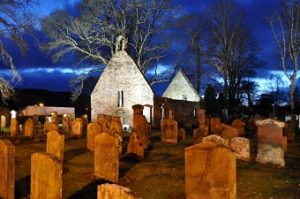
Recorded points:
285,24
92,34
15,21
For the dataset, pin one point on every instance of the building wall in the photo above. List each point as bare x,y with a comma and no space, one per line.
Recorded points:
121,74
180,88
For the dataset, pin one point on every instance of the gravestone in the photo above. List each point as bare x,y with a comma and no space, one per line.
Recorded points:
229,132
199,133
216,126
239,125
216,139
210,172
115,126
50,126
46,177
114,191
201,117
56,144
93,129
7,169
135,145
241,147
54,117
3,121
140,123
77,128
169,131
103,122
66,121
106,157
29,127
13,123
270,147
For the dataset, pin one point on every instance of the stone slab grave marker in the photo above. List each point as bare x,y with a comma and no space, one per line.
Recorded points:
169,130
103,122
210,172
241,147
29,127
115,126
199,133
239,125
46,177
67,122
50,126
135,145
270,147
106,157
7,169
13,123
114,191
216,126
229,132
201,117
140,123
56,144
77,128
216,139
93,129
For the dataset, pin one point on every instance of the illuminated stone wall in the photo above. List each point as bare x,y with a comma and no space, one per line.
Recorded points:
121,74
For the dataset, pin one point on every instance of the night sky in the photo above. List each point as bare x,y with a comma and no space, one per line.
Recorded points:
38,71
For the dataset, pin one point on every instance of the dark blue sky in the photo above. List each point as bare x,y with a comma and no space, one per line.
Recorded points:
38,71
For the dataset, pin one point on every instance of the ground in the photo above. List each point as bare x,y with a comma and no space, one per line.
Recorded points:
160,175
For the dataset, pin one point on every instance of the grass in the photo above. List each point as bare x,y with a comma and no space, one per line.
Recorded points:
160,175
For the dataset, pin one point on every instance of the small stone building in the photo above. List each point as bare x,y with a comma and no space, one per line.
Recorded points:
181,88
120,86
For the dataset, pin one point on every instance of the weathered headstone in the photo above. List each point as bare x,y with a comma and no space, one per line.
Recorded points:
169,131
46,177
241,147
103,122
54,117
216,139
115,126
29,127
210,172
114,191
106,157
7,169
201,117
66,121
140,123
135,145
216,126
13,123
77,128
199,133
229,132
93,129
56,144
239,125
50,126
270,147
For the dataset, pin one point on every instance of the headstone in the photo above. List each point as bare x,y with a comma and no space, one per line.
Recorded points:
229,132
106,158
66,121
13,123
54,117
216,139
93,129
201,117
169,131
46,177
270,147
135,145
140,123
199,133
216,126
115,126
210,172
103,122
239,125
7,169
241,147
56,144
114,191
50,126
77,128
29,127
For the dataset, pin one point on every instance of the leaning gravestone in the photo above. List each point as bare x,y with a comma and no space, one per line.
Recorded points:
7,169
114,191
135,146
210,172
29,127
270,147
169,131
77,128
56,144
241,147
106,157
93,129
46,177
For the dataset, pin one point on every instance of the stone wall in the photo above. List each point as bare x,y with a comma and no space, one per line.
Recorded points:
121,74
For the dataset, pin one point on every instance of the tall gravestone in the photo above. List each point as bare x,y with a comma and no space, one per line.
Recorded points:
56,144
29,127
106,157
77,128
169,131
111,191
270,147
66,121
115,126
103,122
13,123
135,146
7,170
140,124
210,172
46,177
93,129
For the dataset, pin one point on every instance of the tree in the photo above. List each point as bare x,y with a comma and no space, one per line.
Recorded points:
285,24
232,48
15,20
248,88
92,34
